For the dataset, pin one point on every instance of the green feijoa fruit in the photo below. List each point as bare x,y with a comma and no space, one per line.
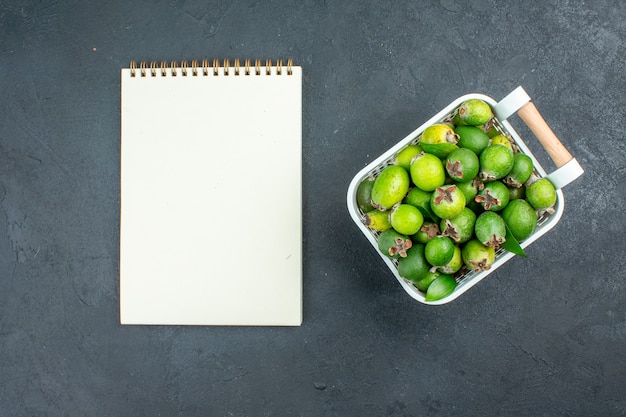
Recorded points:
474,112
440,288
454,265
406,219
520,172
459,228
424,282
364,195
501,140
414,266
428,231
541,194
438,133
462,165
406,155
516,193
469,188
447,201
490,229
393,244
496,161
427,172
521,219
390,187
420,199
377,220
478,257
439,250
472,138
417,197
494,196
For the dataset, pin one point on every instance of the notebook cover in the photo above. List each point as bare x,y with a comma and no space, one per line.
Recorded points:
211,198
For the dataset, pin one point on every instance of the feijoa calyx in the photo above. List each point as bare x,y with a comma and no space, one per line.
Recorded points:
478,257
490,229
459,228
427,232
494,196
447,201
462,165
393,244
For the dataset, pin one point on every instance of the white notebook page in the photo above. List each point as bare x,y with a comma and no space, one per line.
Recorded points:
211,204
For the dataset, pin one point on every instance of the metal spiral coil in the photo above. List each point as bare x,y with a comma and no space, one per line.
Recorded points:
206,68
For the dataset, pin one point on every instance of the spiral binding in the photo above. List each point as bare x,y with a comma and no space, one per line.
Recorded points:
206,68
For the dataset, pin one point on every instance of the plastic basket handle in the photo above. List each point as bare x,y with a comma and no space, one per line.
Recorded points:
519,102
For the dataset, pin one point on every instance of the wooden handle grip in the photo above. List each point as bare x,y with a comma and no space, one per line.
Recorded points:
551,143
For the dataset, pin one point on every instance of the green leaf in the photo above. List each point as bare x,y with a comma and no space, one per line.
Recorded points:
512,245
440,150
440,288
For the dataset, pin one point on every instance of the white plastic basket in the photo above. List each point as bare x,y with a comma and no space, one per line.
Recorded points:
518,101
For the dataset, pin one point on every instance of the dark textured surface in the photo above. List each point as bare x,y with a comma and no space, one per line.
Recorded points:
543,336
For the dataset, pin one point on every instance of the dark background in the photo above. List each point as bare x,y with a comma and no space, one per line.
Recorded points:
543,336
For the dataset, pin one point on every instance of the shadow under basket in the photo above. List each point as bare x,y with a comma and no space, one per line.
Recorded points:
518,101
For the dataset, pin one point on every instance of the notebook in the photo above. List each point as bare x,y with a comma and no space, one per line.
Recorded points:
211,193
